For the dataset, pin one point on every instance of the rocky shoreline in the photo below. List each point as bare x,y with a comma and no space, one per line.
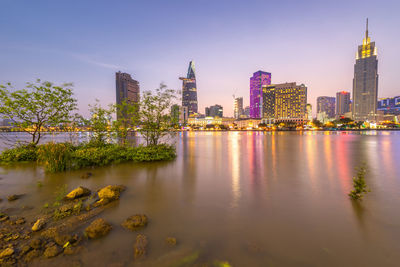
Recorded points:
59,230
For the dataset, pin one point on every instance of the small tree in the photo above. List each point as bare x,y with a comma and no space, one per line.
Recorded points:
99,123
127,117
359,184
39,106
154,114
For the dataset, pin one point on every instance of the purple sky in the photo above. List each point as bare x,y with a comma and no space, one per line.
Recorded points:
86,42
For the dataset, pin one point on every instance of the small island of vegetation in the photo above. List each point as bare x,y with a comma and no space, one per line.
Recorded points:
43,105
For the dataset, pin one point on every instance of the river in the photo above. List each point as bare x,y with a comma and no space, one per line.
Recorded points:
249,198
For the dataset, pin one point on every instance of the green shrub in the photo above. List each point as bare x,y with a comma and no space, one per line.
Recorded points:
359,184
58,157
55,157
20,153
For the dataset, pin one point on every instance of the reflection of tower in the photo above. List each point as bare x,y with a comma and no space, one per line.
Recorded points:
189,170
365,82
189,90
234,160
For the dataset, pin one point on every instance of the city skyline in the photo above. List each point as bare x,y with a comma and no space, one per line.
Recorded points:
92,48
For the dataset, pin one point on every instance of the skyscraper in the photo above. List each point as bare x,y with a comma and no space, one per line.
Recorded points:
257,81
126,89
214,111
309,112
342,103
365,82
189,90
326,104
238,107
285,102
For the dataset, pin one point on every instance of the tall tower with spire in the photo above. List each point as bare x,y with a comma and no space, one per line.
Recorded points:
189,90
365,82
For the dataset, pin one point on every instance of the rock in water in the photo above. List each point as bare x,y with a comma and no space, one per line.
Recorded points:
98,228
6,253
13,197
140,246
78,192
35,243
109,193
171,241
135,221
38,225
86,175
52,251
20,221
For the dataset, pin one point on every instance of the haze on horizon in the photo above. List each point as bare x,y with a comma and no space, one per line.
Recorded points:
86,42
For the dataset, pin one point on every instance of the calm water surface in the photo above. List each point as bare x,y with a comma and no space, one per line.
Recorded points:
249,198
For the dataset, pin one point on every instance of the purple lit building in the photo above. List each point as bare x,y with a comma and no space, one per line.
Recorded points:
259,79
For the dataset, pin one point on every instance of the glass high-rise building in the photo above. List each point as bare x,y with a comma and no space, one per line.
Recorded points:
257,81
189,90
127,89
365,82
342,103
326,104
238,107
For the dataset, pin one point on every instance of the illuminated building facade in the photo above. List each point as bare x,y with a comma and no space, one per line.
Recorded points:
257,81
189,90
390,105
285,102
238,107
309,112
342,103
326,104
127,89
365,82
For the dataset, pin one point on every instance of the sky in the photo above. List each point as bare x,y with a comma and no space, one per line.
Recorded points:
86,42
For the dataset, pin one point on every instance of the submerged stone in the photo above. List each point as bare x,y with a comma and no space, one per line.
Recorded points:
13,197
98,228
3,217
36,243
86,175
140,246
32,254
78,192
39,224
171,241
52,251
20,221
135,221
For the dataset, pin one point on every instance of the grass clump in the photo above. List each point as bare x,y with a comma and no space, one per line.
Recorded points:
55,156
19,154
359,185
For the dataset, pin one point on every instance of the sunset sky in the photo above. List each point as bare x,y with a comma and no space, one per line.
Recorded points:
86,42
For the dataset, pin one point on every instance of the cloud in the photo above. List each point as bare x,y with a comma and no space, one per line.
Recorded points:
87,59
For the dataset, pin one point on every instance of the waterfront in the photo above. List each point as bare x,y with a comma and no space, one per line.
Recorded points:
249,198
